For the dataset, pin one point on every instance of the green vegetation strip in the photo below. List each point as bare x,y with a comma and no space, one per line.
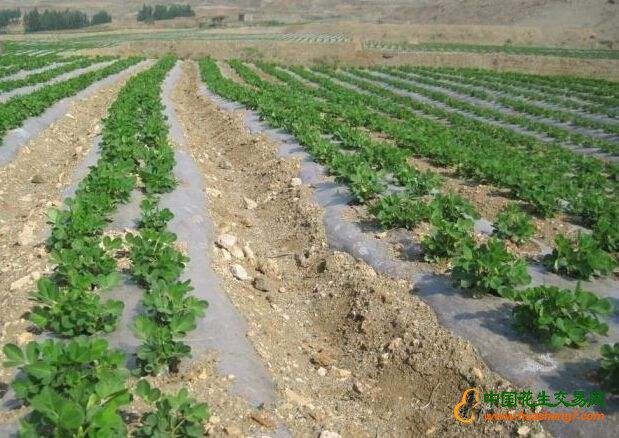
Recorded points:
484,268
509,102
19,108
605,233
76,387
14,63
544,174
46,75
492,81
402,82
508,49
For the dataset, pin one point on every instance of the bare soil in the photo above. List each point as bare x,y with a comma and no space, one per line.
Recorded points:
349,350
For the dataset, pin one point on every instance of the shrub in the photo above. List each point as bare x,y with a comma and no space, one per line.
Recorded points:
452,207
397,210
489,268
514,224
562,317
609,367
447,238
582,258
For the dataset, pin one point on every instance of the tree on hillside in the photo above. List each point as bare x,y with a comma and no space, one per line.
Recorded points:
145,14
32,21
9,16
163,12
100,18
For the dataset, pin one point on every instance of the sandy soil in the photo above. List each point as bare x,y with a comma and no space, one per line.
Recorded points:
350,351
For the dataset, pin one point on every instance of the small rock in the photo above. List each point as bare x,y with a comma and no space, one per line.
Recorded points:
321,371
250,204
302,260
282,289
329,434
295,182
24,338
69,115
268,267
263,419
224,254
322,359
359,387
226,241
26,236
395,344
478,374
524,430
213,193
383,359
37,179
264,284
249,253
239,272
342,373
21,283
237,252
225,164
233,431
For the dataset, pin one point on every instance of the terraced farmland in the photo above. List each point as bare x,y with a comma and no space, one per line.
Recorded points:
233,247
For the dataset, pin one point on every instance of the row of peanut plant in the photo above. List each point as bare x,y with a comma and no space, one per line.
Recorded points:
478,48
11,64
560,180
75,383
506,86
328,129
16,110
400,81
51,73
592,90
582,260
516,104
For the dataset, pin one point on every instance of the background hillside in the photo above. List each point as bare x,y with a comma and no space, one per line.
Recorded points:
599,16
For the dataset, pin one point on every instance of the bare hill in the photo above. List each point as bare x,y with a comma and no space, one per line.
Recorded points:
599,16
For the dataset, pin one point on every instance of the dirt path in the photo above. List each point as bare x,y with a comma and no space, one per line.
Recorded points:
29,186
349,350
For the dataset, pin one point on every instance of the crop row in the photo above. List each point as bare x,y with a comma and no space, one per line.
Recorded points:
342,110
509,102
13,64
493,81
597,90
358,161
402,83
46,75
546,176
509,49
76,387
92,41
17,109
